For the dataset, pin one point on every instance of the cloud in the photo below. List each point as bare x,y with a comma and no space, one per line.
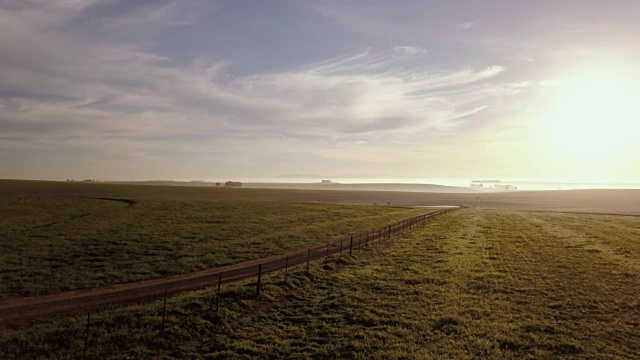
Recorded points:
521,57
64,90
358,19
408,50
44,14
521,84
172,13
366,92
467,25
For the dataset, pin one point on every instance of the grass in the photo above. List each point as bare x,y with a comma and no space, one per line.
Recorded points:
53,244
595,201
474,284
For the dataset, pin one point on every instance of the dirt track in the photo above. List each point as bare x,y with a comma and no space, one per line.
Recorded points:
22,309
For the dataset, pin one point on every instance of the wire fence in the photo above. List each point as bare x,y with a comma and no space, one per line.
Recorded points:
257,268
151,290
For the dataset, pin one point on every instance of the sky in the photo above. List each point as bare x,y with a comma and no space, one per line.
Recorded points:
243,90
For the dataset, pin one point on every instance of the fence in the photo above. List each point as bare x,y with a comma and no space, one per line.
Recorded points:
21,309
122,294
256,268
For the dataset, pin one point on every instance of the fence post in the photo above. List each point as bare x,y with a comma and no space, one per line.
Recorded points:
259,279
218,292
164,313
86,336
326,255
308,257
351,246
341,248
389,232
286,268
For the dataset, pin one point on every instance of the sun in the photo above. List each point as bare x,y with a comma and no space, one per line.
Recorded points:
595,115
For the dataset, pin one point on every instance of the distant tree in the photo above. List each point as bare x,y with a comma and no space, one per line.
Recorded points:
388,203
218,184
233,184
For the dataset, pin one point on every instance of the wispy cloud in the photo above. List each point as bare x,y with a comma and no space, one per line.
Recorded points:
408,50
119,89
172,13
467,25
365,93
120,96
521,57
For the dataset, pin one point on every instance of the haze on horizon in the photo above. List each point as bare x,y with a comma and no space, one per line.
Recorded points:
124,90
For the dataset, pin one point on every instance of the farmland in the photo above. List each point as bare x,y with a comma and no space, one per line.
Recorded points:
474,284
53,244
594,201
488,281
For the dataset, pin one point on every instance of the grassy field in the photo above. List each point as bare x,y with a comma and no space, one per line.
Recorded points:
596,201
53,244
474,284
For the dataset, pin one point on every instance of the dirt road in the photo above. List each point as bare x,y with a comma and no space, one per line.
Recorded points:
23,309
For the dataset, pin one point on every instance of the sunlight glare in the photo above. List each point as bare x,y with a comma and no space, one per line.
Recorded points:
595,115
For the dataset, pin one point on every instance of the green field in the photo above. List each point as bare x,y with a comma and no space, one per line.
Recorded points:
593,201
472,284
53,244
